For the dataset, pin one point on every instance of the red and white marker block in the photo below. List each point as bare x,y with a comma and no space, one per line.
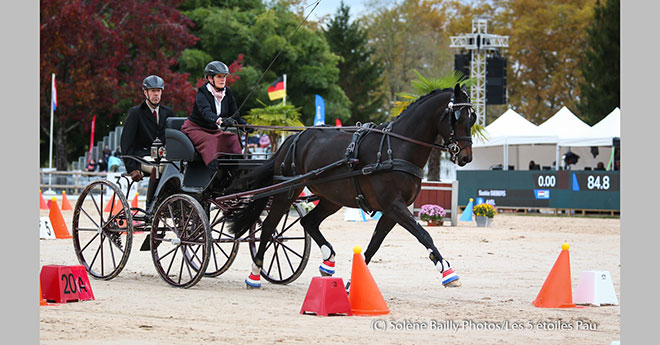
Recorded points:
62,284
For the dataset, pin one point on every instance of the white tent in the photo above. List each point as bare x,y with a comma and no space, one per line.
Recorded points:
595,144
513,129
514,141
565,125
601,134
511,140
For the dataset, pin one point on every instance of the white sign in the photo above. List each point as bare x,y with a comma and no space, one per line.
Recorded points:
46,229
123,185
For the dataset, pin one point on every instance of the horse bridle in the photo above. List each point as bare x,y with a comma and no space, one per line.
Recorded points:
452,146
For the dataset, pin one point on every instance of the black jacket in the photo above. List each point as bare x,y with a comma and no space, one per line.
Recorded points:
204,110
140,130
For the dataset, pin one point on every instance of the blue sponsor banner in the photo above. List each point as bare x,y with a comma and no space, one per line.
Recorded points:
319,118
542,193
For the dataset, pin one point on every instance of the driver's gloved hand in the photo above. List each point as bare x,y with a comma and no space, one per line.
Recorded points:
136,175
228,122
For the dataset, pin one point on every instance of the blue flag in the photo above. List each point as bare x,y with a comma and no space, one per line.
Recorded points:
319,118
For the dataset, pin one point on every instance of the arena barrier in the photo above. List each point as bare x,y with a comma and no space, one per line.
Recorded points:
443,194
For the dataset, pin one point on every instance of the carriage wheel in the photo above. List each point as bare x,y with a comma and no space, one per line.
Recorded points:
180,240
224,246
287,252
102,229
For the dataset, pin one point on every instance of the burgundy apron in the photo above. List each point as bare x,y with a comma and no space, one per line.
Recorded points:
209,142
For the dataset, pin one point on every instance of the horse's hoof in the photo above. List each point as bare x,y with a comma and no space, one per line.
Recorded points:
325,274
453,283
253,281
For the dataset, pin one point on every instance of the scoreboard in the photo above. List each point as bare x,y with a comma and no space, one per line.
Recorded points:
580,189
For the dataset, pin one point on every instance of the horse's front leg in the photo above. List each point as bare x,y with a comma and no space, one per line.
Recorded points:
401,214
311,223
384,226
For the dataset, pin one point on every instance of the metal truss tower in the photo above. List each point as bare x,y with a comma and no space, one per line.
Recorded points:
480,43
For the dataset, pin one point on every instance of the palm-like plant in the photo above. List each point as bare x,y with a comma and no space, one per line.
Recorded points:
422,86
275,115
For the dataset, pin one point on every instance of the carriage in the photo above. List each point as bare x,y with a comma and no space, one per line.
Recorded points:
187,234
196,223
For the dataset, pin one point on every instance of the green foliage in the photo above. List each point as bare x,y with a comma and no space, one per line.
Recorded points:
405,36
423,85
360,72
600,91
194,61
275,115
259,33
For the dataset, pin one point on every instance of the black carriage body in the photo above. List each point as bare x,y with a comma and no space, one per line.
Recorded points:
186,186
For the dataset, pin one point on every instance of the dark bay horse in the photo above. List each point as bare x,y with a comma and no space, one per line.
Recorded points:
407,141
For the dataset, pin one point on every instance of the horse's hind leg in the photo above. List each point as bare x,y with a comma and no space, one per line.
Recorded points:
311,223
279,206
400,213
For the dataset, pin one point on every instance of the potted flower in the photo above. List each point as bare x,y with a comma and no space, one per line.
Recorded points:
432,214
484,214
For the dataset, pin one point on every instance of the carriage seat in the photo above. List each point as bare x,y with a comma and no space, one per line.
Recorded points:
177,144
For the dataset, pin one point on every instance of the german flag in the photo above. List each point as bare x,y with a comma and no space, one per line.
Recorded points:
276,90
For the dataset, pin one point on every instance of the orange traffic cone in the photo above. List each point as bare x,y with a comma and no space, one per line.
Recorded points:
42,203
556,291
134,203
56,219
364,296
42,301
118,206
66,205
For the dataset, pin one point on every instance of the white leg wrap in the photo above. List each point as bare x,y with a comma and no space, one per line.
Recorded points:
256,270
325,250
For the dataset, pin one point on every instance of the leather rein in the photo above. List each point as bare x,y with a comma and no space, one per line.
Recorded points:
451,147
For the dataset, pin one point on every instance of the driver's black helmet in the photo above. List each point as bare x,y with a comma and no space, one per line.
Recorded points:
215,67
153,82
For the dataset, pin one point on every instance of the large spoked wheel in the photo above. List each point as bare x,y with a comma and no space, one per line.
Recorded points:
287,252
180,240
224,246
102,229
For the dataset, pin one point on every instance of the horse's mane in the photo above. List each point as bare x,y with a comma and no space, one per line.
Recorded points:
421,100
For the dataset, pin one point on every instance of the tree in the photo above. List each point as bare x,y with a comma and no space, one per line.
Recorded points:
100,52
408,36
600,90
260,34
275,115
360,72
545,40
423,86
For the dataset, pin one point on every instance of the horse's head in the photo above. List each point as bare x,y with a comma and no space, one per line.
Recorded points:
457,136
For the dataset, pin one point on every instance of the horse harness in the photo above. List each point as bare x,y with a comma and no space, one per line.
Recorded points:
351,160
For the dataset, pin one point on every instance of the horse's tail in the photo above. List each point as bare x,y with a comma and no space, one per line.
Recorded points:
241,219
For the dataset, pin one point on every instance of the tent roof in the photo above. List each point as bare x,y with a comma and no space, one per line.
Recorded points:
565,125
601,134
610,125
511,128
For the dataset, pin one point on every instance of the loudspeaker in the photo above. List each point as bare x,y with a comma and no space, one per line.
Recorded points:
495,80
462,63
